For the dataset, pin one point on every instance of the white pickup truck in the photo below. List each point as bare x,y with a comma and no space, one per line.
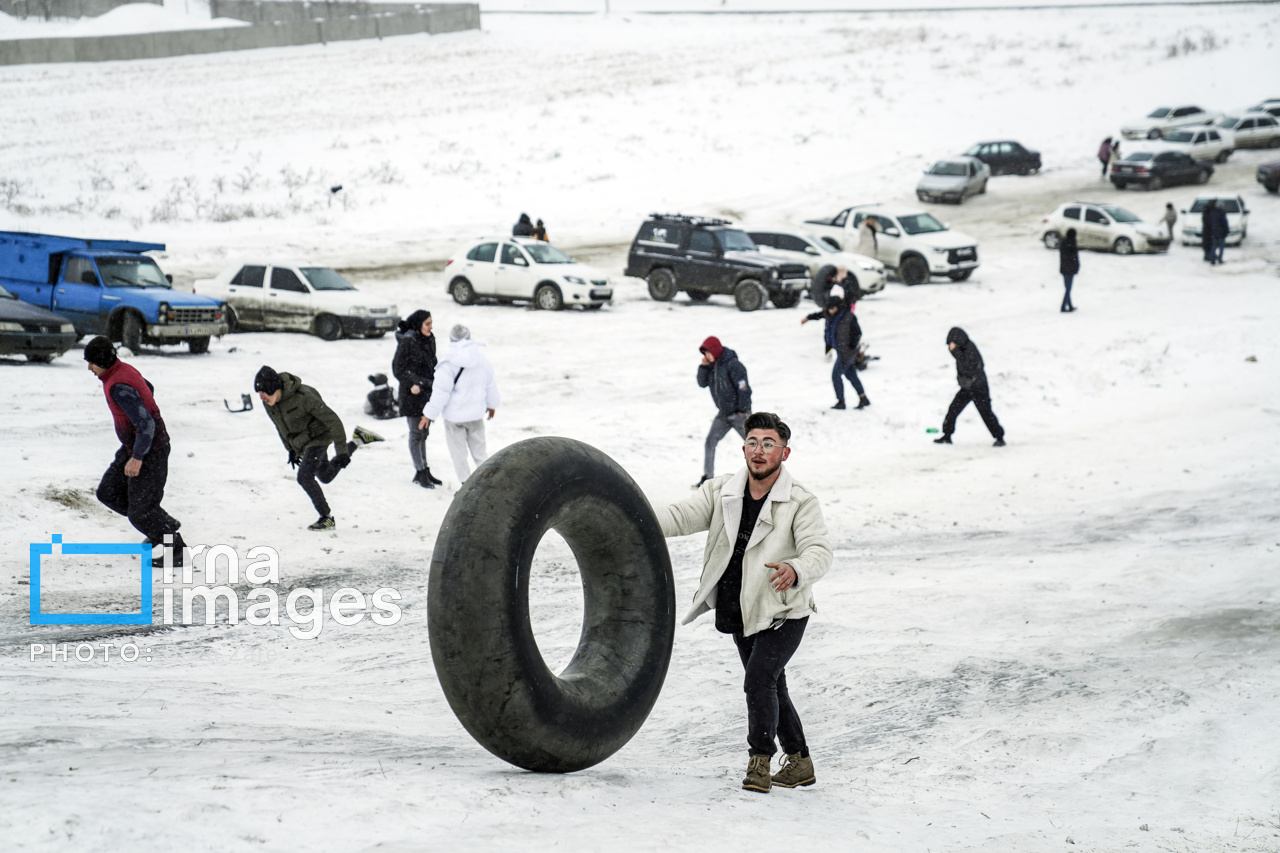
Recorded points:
908,240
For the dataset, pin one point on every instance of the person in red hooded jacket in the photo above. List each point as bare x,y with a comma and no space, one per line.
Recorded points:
726,377
134,483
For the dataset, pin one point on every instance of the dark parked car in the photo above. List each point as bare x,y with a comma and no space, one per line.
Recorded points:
1156,169
1269,176
30,330
707,256
1006,157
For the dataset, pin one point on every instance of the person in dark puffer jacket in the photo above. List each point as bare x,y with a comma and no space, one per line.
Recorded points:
415,368
842,334
972,377
726,377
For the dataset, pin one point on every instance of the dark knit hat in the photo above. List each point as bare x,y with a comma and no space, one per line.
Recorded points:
834,301
100,352
267,381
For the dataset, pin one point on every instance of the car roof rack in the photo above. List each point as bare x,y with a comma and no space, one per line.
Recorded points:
689,220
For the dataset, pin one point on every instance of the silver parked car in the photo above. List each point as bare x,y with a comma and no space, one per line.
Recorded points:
954,180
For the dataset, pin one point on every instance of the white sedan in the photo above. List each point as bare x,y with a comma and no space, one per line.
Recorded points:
1161,120
1103,227
513,269
1251,130
1199,143
801,247
294,298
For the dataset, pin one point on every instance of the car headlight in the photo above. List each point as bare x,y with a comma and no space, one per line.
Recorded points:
942,251
163,313
68,329
392,311
358,311
575,279
10,327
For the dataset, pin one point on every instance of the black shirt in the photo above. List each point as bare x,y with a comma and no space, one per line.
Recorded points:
729,587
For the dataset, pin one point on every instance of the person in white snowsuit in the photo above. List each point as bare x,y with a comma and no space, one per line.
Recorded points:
463,392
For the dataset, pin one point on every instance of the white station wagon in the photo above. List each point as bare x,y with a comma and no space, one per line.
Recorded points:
512,269
293,298
1103,227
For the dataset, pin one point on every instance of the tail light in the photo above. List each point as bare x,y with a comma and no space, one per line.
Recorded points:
446,263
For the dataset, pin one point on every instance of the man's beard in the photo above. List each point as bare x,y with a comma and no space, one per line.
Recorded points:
764,475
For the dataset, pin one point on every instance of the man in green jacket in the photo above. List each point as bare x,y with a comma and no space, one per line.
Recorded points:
307,427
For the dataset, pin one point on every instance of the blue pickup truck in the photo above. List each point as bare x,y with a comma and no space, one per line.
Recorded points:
108,287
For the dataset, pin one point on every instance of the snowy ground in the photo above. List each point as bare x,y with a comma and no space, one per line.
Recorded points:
1069,643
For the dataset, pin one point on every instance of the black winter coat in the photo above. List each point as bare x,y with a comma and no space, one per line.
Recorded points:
414,364
1206,228
1219,224
522,228
727,379
969,367
1068,256
848,334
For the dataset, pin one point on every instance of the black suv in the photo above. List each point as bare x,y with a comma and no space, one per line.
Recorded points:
705,256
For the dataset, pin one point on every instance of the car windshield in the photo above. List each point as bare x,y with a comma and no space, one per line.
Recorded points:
820,245
1160,112
4,294
1230,205
323,278
1119,214
545,253
1140,156
1228,122
131,272
973,151
920,223
1179,136
944,167
731,240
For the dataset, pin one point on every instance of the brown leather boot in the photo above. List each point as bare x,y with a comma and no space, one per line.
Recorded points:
758,778
795,772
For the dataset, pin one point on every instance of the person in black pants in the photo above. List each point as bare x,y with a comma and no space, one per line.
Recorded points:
415,367
842,334
1068,265
133,484
972,377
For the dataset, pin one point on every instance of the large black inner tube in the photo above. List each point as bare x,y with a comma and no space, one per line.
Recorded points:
482,642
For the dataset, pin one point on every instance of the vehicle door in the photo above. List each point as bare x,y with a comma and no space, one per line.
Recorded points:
1071,219
1182,167
889,239
1002,158
847,226
1244,132
80,296
1095,230
1265,130
244,294
798,251
1183,116
512,273
288,303
478,267
704,268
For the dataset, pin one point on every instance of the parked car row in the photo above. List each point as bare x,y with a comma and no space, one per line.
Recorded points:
955,179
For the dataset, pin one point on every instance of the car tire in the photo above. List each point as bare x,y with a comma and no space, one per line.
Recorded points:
818,289
547,297
982,190
1156,183
1223,155
1024,170
482,643
375,335
1202,177
785,299
750,295
462,291
662,285
1154,133
698,295
1272,188
328,327
41,357
1123,246
1120,184
1052,239
198,346
913,270
1274,143
960,275
131,332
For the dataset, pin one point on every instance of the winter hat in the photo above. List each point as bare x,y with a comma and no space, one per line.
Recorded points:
957,336
834,301
713,346
413,323
100,353
267,381
378,379
459,333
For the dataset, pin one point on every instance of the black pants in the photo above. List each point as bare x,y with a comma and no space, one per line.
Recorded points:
980,395
770,713
139,497
316,465
1066,297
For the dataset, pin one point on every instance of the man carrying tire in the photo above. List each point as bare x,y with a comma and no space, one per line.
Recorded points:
766,546
307,427
726,377
134,483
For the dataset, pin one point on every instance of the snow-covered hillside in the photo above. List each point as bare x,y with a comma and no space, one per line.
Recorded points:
1067,643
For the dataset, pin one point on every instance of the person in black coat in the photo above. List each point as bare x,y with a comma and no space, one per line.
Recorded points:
726,377
1206,230
1221,227
523,228
414,367
1068,265
842,334
972,376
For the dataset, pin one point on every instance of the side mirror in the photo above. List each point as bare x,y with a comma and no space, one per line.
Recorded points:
88,277
809,250
521,262
168,278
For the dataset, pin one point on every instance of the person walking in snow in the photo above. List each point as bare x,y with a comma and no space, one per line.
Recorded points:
414,366
842,334
972,377
133,484
1104,154
726,377
1206,230
1170,218
307,427
1069,266
767,545
522,228
1221,227
465,393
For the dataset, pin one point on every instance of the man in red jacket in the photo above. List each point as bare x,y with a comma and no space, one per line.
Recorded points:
134,483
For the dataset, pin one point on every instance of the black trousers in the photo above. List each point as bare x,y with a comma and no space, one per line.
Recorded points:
139,497
770,713
316,465
980,395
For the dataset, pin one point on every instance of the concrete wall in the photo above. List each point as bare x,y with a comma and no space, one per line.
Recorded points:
285,11
440,19
64,8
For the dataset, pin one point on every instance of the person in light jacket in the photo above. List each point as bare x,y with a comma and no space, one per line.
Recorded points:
767,545
463,392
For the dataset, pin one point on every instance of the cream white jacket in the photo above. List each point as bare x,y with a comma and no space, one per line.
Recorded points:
790,530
